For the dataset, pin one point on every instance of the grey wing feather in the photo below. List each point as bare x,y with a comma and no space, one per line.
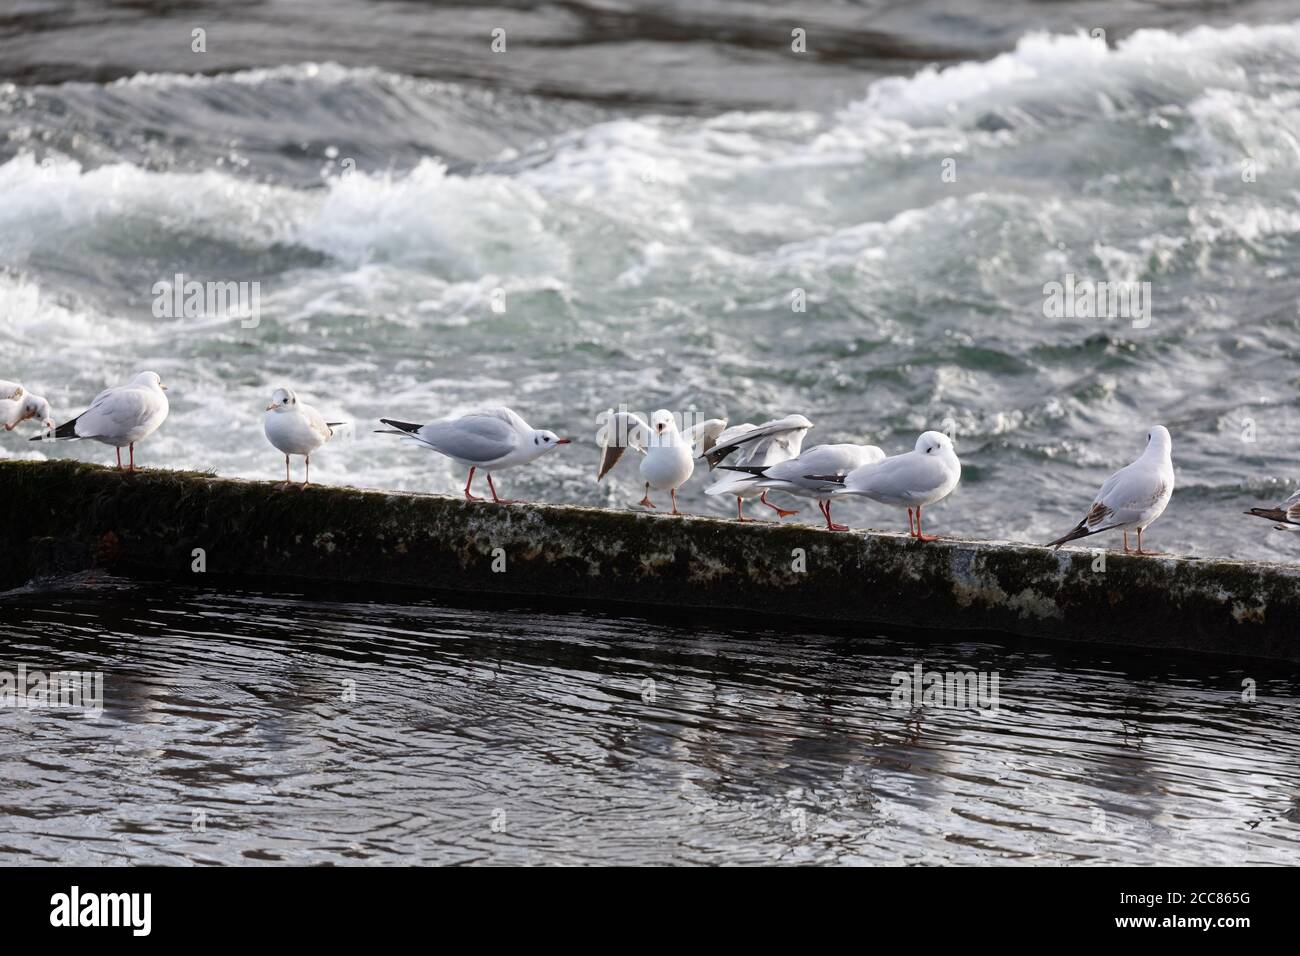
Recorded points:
474,438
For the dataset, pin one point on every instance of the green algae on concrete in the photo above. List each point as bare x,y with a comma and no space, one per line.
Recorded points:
66,516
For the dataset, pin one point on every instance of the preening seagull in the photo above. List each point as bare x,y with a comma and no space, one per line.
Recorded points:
1133,497
17,405
120,416
795,476
295,428
920,477
756,446
669,453
1286,516
491,439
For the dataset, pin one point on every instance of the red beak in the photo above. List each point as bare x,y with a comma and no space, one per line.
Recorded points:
564,441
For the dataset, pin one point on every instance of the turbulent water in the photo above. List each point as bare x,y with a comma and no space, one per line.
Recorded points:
248,728
425,246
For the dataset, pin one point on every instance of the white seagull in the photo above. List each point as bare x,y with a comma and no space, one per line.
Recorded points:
1286,516
669,452
757,445
1134,496
17,405
120,416
793,476
491,439
920,477
295,428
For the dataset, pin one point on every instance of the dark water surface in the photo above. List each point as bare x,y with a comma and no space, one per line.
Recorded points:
526,735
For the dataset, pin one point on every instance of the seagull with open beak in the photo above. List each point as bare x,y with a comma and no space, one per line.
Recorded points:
668,452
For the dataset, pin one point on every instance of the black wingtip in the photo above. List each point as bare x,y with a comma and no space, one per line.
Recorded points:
833,479
757,470
67,430
400,426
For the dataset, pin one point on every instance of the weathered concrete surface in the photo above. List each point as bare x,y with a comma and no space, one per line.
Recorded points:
64,516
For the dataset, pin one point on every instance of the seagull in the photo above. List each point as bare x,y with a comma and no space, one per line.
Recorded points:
920,477
491,439
17,405
296,428
120,416
1134,496
669,459
829,460
765,444
1286,515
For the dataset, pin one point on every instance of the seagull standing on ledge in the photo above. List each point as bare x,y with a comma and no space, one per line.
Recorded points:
17,405
920,477
758,445
491,439
120,416
792,477
669,453
1286,516
1134,496
295,428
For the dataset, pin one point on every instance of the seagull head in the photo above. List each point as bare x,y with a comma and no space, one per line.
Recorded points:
282,398
149,380
545,440
933,443
1158,440
36,407
662,423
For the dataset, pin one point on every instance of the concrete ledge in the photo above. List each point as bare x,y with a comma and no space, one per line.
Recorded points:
65,516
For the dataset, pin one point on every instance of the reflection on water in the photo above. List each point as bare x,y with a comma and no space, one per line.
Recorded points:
246,727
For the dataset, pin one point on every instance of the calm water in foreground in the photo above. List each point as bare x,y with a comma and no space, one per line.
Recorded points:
519,735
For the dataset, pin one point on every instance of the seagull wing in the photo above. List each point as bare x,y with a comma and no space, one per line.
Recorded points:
763,444
623,430
478,438
704,435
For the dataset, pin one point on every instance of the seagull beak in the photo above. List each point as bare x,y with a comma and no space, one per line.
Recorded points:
564,441
162,386
271,406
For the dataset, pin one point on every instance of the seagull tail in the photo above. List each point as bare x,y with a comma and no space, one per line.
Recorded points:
67,430
1078,531
1270,514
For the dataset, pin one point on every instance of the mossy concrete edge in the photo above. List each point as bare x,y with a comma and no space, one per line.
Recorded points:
62,516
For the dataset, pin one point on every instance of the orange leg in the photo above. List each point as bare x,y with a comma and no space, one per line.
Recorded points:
646,500
911,527
499,500
921,536
740,510
673,492
1126,550
1139,550
825,507
780,512
131,449
469,481
119,458
306,476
